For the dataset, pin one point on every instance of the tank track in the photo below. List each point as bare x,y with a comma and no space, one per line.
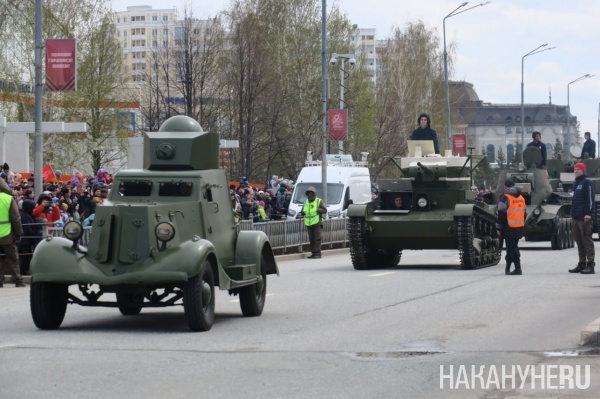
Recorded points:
482,226
363,257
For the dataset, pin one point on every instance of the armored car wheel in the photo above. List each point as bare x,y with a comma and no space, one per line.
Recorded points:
48,303
130,304
252,297
199,299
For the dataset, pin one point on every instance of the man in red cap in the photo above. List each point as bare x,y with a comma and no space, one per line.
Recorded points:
582,209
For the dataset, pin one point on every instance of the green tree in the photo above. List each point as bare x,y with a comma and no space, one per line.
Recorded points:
411,82
558,151
501,158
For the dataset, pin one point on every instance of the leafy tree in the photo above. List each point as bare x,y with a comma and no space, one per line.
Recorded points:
412,81
501,158
558,151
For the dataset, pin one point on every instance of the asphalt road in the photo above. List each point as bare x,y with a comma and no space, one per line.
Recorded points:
328,331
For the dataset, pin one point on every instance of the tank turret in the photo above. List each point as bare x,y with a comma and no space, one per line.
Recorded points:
181,144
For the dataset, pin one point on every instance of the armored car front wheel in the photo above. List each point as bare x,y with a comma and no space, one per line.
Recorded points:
48,303
199,299
252,297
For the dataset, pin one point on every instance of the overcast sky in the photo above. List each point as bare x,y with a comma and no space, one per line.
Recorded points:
491,41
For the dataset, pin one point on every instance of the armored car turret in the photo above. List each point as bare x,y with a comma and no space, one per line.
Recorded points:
166,236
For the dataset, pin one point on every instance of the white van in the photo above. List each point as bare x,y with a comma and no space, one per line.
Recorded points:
347,182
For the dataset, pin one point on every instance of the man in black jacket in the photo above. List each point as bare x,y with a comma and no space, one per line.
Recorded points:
537,143
425,132
582,209
589,147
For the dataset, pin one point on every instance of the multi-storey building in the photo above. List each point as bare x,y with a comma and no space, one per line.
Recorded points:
140,29
494,126
364,42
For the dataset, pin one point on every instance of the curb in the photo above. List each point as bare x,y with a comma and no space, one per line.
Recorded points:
590,334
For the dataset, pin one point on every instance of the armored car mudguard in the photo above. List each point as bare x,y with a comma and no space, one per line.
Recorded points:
165,237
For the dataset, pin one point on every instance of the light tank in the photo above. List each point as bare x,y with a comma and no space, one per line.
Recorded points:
166,236
439,212
548,202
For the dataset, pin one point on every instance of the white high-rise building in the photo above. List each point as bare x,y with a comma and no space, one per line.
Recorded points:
364,42
140,29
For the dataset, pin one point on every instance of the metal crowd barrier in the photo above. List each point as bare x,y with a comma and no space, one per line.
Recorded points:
286,236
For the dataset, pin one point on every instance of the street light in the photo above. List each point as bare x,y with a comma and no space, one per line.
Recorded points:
333,61
532,52
587,75
453,13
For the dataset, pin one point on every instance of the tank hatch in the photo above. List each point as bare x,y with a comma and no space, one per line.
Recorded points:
181,144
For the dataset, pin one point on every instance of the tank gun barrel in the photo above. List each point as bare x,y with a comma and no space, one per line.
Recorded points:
425,169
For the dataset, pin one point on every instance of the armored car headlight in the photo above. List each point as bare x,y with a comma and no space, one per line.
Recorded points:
537,211
164,231
73,230
422,202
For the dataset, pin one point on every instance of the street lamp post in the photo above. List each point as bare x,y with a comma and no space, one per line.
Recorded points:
568,144
333,61
532,52
448,124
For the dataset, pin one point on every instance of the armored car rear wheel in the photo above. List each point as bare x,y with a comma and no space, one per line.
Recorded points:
48,303
199,299
252,297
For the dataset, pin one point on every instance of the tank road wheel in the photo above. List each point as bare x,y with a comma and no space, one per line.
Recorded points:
567,240
130,304
199,299
48,303
554,243
358,250
477,226
252,297
596,225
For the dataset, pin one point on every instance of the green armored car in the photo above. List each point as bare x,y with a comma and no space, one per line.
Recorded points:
165,237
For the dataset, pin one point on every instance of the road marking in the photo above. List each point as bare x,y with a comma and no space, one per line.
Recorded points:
380,274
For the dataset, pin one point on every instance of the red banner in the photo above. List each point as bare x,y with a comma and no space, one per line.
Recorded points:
459,144
338,124
61,65
48,174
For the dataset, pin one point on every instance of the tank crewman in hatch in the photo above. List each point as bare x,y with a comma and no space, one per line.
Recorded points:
313,211
511,224
589,147
425,132
537,143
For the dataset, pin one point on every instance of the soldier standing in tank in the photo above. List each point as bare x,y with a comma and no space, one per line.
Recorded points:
313,211
537,143
589,147
425,132
582,209
511,224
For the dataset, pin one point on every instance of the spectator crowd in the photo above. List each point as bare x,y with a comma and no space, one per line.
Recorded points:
60,202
